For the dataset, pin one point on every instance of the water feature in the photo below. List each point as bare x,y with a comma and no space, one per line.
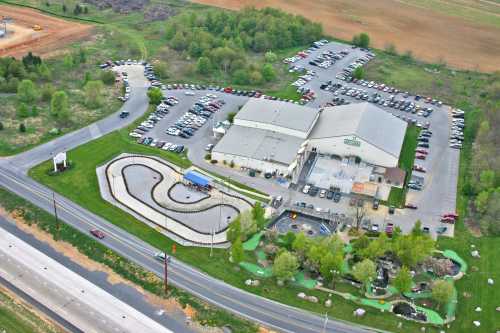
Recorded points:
407,310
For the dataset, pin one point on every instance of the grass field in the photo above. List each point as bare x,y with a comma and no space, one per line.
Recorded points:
17,317
407,157
463,33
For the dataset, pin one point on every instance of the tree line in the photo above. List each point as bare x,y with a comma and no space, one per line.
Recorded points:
221,40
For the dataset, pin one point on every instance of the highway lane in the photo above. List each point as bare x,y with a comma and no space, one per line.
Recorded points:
258,309
269,313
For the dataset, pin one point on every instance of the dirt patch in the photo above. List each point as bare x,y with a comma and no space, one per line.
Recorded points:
430,35
55,33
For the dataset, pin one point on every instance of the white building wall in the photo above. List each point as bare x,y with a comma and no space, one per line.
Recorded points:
367,152
270,127
250,163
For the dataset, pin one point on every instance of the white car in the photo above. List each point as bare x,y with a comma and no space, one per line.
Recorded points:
306,189
189,93
209,147
167,146
135,135
147,124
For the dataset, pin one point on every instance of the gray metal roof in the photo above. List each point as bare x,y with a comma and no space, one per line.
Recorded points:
366,121
259,144
283,114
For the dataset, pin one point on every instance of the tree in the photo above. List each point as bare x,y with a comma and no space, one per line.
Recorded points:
300,244
442,291
64,9
285,266
288,239
413,249
237,253
34,111
44,72
1,126
26,91
234,230
68,61
85,10
241,76
161,69
31,61
365,271
268,72
22,110
489,220
59,105
204,65
248,224
22,128
155,96
230,116
78,10
93,94
258,215
82,55
361,40
331,266
270,57
107,77
377,247
359,73
403,280
358,215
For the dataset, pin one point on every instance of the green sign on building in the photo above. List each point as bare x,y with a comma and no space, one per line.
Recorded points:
352,141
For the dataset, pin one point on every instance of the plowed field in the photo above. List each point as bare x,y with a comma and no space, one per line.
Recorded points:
463,33
21,38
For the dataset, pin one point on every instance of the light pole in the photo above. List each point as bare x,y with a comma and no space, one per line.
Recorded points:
55,214
325,322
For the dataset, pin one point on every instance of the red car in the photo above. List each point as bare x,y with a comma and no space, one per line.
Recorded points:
452,215
228,90
418,168
450,220
389,228
411,206
421,151
97,233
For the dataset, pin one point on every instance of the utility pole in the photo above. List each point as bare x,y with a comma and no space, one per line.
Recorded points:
165,264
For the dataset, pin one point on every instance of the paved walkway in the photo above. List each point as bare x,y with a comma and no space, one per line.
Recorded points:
78,301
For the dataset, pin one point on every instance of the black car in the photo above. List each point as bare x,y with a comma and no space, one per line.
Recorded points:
337,196
313,191
330,194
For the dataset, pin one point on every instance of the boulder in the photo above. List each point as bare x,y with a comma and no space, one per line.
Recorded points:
328,303
490,281
478,309
312,299
248,282
476,323
359,312
301,295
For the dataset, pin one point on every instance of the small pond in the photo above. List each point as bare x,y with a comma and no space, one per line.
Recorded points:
408,311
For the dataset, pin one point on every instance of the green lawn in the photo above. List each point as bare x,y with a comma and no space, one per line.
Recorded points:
406,159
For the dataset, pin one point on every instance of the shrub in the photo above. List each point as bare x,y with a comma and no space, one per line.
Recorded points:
22,128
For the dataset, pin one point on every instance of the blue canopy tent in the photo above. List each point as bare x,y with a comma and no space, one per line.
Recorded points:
197,178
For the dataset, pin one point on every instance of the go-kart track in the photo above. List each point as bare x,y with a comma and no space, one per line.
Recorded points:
152,190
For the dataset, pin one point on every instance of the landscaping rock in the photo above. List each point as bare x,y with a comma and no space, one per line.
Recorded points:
256,283
490,281
478,309
467,295
475,254
312,299
498,309
248,282
359,312
280,283
476,323
474,268
301,295
328,303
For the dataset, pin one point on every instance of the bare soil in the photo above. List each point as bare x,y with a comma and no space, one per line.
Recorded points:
56,33
429,34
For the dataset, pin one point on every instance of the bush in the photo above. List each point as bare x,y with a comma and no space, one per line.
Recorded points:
155,96
22,110
361,40
1,126
108,77
230,117
208,156
213,161
22,128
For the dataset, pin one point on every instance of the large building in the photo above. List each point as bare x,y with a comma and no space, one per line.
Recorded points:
272,136
359,130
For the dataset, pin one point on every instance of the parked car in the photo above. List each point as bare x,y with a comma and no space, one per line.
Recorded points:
389,228
441,230
375,205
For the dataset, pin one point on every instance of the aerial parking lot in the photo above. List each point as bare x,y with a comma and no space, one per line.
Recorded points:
186,118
